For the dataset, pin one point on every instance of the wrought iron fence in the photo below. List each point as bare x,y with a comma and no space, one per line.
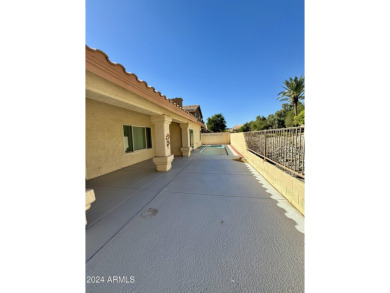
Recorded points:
284,147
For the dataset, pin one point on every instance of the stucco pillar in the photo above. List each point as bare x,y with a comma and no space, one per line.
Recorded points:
185,139
163,158
89,199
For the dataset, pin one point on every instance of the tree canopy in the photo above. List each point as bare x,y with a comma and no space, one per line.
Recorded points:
280,119
244,128
294,90
216,123
291,114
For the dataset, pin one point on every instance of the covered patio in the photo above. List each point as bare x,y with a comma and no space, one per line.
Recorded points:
211,224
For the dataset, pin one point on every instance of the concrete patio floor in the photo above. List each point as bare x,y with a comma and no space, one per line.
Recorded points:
210,224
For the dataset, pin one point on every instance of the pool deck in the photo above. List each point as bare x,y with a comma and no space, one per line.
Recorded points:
210,224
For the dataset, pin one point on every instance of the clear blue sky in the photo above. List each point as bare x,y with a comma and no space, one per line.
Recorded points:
228,56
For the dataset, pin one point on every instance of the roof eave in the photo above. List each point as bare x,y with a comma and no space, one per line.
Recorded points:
98,63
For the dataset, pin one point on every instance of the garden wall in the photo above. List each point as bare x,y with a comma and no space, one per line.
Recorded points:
216,138
290,187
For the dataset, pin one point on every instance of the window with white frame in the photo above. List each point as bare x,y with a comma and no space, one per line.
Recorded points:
136,138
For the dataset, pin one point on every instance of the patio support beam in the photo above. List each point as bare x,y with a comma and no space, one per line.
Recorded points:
163,159
185,139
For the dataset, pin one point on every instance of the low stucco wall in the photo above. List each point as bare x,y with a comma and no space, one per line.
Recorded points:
291,188
216,138
104,138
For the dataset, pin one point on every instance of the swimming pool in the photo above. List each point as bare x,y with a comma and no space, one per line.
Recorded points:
214,150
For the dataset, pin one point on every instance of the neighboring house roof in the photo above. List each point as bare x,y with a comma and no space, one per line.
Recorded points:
191,107
237,127
98,63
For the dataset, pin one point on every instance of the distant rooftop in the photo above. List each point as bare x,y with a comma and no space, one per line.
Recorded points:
190,107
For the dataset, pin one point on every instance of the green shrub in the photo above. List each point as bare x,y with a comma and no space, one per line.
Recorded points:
300,119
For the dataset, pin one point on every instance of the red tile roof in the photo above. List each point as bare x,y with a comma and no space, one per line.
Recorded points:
93,64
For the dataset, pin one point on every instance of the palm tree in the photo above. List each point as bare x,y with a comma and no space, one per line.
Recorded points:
294,91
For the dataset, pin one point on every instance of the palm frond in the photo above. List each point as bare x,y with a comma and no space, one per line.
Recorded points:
294,89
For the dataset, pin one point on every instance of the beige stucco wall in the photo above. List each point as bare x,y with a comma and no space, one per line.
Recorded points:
291,188
105,91
104,138
175,133
216,138
108,107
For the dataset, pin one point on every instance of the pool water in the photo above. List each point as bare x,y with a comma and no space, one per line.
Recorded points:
214,150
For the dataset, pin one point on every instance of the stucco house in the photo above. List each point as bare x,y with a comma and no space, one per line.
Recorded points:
194,110
128,121
237,127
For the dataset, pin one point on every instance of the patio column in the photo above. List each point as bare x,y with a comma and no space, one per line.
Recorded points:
163,158
89,199
185,139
